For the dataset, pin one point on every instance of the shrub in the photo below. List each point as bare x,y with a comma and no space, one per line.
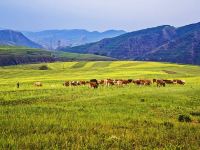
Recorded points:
142,100
43,67
184,118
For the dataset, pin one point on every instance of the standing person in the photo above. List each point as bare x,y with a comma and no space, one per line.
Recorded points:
17,84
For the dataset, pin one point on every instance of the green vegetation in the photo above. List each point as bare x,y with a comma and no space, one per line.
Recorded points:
57,117
43,67
15,50
10,55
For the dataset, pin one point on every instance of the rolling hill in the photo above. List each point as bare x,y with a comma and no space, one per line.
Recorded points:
52,39
10,55
163,43
14,38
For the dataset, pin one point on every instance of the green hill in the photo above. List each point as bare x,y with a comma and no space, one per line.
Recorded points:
129,117
10,55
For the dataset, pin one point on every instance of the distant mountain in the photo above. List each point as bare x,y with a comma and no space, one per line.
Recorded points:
52,39
184,48
14,38
12,55
163,43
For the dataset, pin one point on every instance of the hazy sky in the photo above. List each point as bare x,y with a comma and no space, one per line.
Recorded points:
99,15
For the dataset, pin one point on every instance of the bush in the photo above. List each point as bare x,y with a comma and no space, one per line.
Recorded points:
142,100
43,67
184,118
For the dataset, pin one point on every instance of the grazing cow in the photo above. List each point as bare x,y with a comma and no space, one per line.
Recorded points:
125,82
137,82
147,82
119,82
142,82
181,82
160,83
82,82
169,81
154,80
109,82
74,83
87,82
130,80
94,83
101,82
39,84
66,83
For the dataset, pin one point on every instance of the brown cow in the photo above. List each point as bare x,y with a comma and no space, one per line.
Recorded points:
137,82
82,82
125,82
119,82
142,82
94,83
181,82
109,82
74,83
66,83
130,80
39,84
147,82
160,83
101,82
169,81
154,80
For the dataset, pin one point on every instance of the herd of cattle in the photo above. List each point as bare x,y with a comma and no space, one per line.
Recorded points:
94,83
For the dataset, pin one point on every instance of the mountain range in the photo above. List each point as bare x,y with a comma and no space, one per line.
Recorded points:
162,43
53,39
14,38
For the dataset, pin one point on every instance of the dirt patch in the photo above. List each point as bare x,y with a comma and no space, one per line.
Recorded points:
169,72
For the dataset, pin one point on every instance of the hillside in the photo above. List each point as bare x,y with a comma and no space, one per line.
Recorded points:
163,43
185,49
52,39
14,38
10,55
126,118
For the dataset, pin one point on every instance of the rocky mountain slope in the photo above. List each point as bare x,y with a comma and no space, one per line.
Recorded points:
14,38
163,43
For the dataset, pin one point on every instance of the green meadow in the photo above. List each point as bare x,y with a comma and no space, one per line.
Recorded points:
129,117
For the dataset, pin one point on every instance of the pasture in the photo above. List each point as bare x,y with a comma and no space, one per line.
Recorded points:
129,117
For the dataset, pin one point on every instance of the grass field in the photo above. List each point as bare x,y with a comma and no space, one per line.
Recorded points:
129,117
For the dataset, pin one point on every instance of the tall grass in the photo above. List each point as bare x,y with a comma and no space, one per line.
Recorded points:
129,117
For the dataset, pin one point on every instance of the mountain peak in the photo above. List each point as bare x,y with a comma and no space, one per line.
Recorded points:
15,38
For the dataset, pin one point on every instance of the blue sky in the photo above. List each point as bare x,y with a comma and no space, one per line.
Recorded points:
98,15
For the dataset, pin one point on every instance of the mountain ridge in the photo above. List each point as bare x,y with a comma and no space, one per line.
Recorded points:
146,43
16,38
52,39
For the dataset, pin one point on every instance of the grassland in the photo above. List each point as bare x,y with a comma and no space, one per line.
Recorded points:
130,117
